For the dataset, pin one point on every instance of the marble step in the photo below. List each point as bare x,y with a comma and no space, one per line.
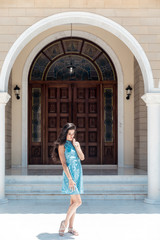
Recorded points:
50,196
92,187
95,187
86,178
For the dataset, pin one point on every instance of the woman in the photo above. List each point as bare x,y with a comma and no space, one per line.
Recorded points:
70,154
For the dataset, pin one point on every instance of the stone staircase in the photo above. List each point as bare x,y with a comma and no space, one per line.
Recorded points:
95,187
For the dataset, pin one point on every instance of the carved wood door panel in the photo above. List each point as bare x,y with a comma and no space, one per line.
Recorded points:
77,104
87,119
58,113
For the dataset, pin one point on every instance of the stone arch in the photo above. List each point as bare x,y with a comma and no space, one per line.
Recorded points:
83,18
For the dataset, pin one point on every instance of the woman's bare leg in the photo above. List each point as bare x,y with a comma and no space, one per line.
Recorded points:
71,220
76,202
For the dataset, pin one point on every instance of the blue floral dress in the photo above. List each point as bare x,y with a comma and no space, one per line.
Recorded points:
74,165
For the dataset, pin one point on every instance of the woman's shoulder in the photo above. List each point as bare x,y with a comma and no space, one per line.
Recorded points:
61,147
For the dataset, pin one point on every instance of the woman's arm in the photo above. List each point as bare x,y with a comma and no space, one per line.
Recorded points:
78,149
61,150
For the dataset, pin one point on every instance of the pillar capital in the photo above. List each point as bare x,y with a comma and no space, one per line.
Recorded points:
151,98
4,97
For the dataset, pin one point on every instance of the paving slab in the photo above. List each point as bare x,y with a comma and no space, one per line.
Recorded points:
95,219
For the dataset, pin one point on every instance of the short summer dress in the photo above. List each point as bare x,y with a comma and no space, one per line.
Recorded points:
74,165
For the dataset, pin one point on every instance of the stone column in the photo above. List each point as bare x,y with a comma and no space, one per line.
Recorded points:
152,101
4,98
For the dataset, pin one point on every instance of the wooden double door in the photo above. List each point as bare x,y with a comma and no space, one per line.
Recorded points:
92,107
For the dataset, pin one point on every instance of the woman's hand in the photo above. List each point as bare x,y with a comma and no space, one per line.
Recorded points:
78,149
75,143
72,184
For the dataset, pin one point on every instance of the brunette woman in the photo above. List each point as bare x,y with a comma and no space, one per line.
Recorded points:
70,154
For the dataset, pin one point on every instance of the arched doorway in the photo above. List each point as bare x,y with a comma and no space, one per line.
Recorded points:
87,96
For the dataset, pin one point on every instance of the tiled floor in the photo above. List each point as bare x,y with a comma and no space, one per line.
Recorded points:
95,219
86,171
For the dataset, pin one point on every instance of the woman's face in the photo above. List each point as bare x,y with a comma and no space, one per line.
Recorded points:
70,135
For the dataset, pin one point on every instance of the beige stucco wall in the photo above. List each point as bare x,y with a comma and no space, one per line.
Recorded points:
126,59
140,121
140,17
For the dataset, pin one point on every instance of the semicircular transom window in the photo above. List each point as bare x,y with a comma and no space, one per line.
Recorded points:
83,69
89,62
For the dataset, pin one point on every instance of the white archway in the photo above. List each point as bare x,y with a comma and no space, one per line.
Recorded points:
119,72
82,18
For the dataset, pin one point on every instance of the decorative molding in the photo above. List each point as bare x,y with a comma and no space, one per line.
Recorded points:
75,17
151,98
4,97
119,72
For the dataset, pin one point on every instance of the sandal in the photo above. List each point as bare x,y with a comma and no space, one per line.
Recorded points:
72,231
62,228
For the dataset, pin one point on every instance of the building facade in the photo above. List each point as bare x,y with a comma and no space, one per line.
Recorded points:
108,47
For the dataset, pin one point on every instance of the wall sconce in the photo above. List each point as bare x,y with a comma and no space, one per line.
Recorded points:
128,92
17,92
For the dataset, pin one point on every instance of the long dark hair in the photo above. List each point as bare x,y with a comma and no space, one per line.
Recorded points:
61,139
